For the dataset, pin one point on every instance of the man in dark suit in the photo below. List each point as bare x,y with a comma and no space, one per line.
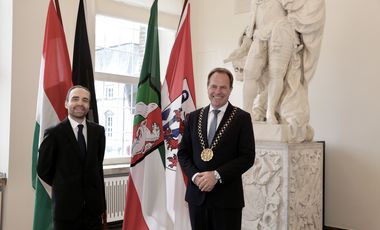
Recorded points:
215,160
71,161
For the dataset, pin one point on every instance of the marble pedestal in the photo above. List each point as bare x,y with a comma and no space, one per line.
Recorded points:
284,188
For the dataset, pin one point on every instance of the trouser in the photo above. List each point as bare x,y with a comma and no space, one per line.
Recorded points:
84,222
211,218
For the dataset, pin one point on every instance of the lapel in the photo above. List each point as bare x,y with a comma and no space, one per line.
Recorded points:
70,134
225,116
90,138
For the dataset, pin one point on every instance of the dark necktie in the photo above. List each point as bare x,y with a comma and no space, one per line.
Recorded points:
211,132
82,142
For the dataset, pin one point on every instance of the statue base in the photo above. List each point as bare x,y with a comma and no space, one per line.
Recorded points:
269,132
284,188
282,132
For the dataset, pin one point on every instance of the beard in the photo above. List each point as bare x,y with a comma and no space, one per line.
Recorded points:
79,112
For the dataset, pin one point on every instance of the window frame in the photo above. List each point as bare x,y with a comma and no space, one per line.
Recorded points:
122,79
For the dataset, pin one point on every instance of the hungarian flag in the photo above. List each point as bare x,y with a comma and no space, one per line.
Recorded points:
146,193
55,80
82,65
178,100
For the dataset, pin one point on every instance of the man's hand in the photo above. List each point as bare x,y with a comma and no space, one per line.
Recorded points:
206,181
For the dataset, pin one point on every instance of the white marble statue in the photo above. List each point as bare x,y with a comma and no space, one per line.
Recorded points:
276,59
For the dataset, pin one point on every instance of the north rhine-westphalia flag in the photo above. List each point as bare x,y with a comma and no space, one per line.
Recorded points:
178,100
82,63
146,193
55,80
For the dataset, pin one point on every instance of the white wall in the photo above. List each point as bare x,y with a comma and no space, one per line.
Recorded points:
343,98
345,110
215,32
27,35
25,61
5,80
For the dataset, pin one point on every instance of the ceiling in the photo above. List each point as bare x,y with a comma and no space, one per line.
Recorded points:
167,6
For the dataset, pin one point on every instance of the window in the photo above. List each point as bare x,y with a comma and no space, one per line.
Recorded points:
120,46
108,123
116,115
109,92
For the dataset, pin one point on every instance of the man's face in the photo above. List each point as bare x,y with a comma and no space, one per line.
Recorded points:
78,104
219,89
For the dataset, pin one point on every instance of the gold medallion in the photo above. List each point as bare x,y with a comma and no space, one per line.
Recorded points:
207,154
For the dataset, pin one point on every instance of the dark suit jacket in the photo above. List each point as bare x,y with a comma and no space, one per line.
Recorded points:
76,185
234,154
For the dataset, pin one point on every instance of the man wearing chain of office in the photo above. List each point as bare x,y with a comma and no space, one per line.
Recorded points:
216,149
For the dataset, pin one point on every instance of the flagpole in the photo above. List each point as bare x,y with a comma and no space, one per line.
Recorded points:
58,9
183,10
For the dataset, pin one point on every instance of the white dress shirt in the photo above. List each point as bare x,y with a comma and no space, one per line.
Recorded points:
74,125
219,117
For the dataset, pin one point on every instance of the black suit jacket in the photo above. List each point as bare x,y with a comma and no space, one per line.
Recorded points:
77,185
234,155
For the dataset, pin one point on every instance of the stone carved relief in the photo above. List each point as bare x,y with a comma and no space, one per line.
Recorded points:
263,191
305,190
284,188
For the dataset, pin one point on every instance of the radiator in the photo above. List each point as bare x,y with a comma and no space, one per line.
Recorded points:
115,188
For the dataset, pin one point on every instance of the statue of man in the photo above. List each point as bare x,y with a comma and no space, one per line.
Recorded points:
277,57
